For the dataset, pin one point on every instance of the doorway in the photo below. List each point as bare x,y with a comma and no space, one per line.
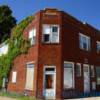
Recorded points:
49,80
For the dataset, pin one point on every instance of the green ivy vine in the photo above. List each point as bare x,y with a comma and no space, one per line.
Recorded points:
17,45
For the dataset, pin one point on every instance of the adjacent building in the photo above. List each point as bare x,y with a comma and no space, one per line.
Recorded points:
63,60
3,49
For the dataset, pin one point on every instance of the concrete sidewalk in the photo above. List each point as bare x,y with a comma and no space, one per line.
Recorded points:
89,98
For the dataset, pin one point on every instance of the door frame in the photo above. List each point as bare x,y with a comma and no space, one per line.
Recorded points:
44,74
88,76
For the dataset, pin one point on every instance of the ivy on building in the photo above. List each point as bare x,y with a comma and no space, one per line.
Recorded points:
17,45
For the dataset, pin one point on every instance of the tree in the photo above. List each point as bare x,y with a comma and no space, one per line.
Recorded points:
7,22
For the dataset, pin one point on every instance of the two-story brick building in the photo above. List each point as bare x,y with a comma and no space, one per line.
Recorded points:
64,56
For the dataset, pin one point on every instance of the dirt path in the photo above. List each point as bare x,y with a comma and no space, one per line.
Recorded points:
7,98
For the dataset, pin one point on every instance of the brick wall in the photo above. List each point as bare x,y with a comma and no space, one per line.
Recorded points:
55,54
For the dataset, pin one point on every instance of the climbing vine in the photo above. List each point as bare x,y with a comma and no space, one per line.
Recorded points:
17,45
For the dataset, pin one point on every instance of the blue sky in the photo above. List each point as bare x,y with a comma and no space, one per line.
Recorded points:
84,10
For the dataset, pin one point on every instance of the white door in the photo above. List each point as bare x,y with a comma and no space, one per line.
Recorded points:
86,78
49,83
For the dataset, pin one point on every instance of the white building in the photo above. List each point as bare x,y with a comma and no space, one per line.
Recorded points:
3,48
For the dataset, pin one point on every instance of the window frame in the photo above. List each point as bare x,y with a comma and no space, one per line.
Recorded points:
80,70
88,42
14,77
73,76
27,67
51,33
33,38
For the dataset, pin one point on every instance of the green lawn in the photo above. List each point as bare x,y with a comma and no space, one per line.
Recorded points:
16,96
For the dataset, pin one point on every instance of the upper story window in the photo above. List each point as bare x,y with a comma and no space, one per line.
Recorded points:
84,42
50,34
3,49
98,47
32,36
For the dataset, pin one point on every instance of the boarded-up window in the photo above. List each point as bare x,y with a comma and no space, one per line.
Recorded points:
14,76
29,76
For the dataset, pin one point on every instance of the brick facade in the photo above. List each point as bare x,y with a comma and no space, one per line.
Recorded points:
56,53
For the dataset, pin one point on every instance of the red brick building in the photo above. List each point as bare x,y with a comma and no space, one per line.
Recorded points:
64,56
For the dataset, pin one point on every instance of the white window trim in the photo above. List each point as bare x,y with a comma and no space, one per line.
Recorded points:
31,62
48,66
55,32
34,35
51,25
14,78
89,43
79,69
68,62
98,42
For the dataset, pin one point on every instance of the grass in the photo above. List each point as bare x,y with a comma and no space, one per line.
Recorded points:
16,96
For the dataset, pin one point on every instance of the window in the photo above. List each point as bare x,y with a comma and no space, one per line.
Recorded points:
78,69
29,76
92,71
98,74
32,36
84,42
50,34
98,47
14,76
50,69
68,75
3,49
